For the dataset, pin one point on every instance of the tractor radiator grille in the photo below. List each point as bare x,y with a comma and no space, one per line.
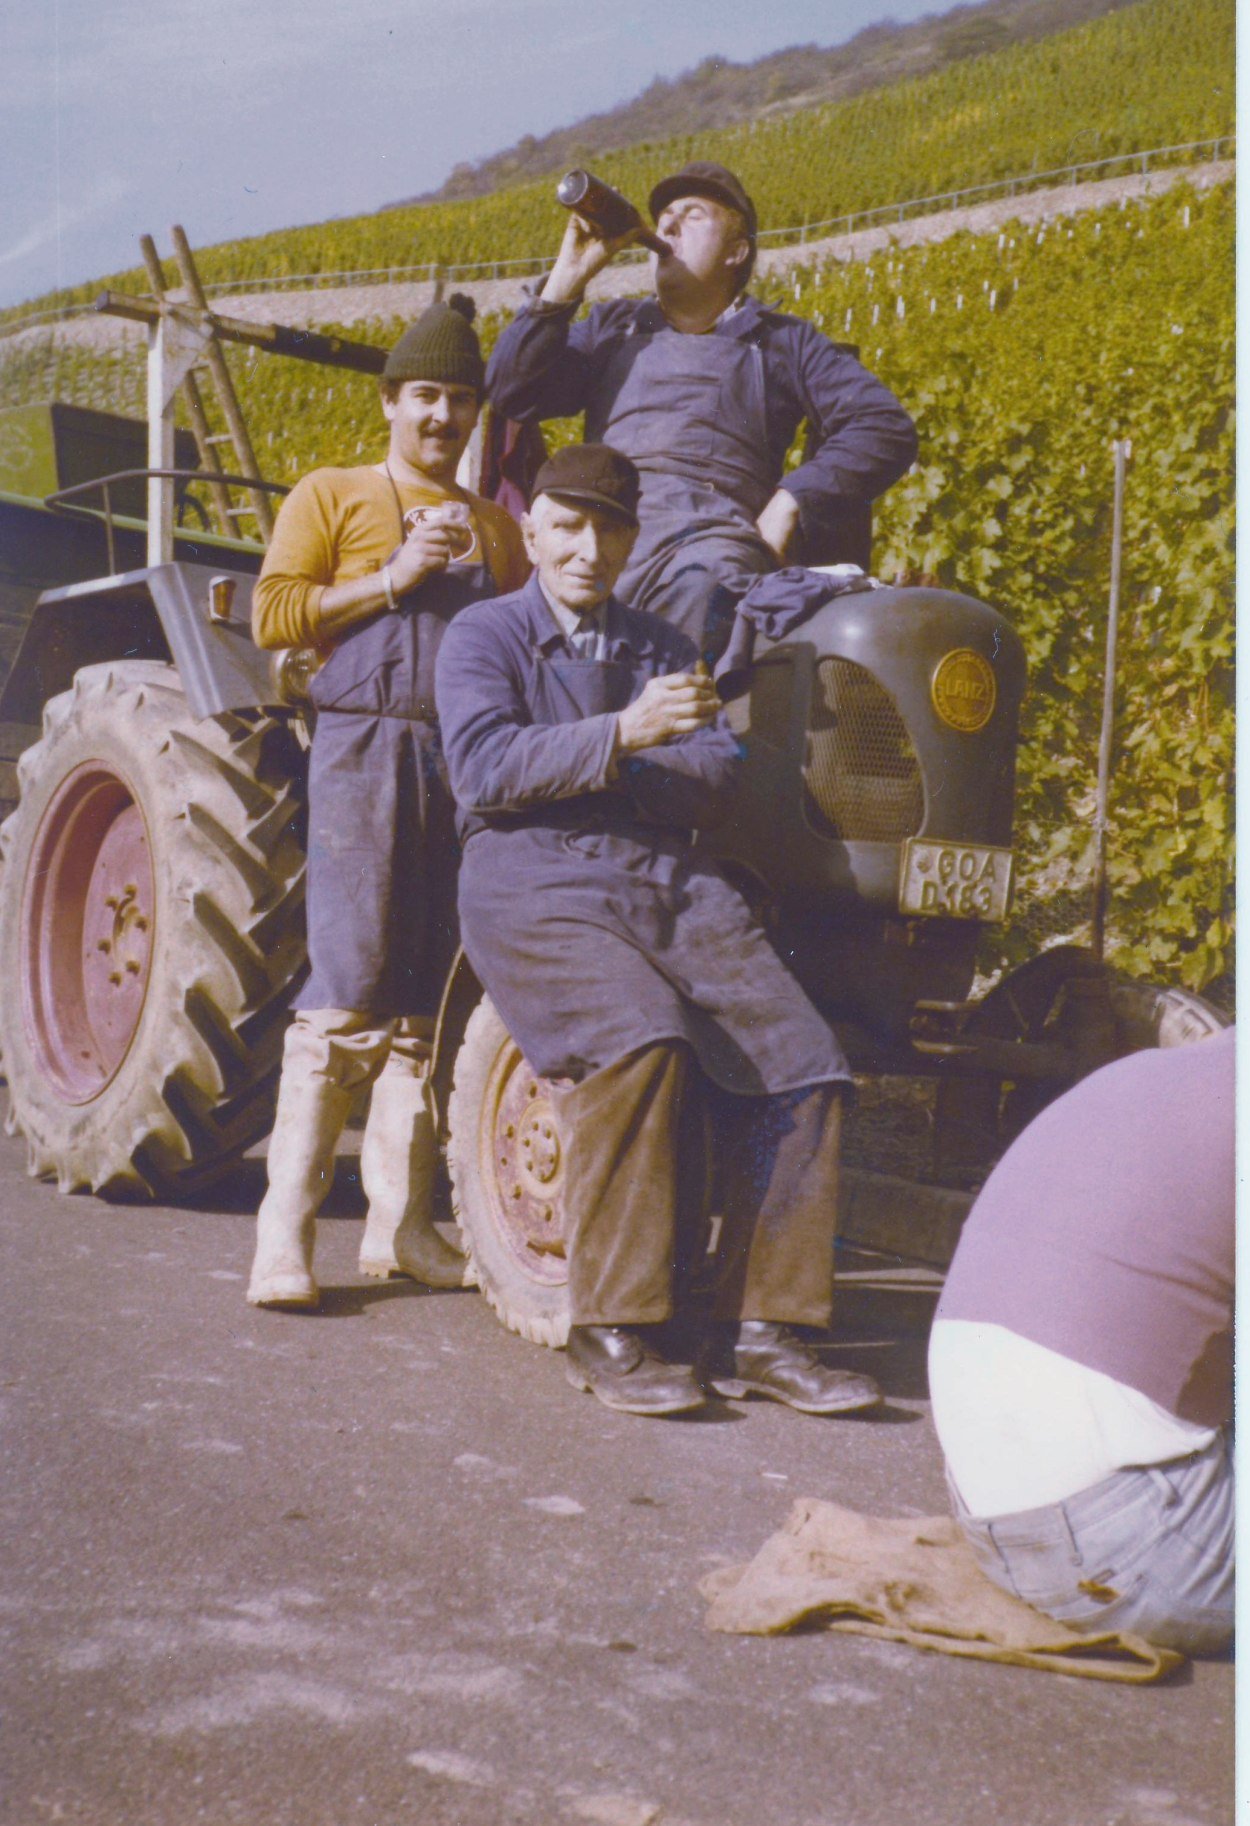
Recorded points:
861,777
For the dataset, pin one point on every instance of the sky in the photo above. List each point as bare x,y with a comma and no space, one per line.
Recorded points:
234,117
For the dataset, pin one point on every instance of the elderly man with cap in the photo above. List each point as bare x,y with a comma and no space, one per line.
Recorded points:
584,748
704,387
368,565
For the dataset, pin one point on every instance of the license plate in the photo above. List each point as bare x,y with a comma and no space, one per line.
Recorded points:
954,880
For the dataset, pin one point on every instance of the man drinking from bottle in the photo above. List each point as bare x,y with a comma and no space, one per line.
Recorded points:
704,388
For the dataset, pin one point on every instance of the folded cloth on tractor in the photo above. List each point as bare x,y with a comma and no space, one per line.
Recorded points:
774,605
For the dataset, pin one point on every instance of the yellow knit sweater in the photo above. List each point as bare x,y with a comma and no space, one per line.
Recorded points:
340,524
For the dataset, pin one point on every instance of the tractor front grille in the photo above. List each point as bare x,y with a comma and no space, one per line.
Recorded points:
861,777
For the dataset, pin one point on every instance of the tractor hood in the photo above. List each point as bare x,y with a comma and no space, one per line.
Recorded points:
889,713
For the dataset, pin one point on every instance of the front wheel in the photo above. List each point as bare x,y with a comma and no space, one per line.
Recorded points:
507,1180
1066,997
1147,1015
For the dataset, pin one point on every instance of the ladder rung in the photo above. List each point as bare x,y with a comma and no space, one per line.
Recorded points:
218,437
236,512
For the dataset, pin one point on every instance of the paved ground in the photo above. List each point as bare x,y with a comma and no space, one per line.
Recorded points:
381,1566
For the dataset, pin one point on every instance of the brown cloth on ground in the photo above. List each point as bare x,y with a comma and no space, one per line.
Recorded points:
908,1580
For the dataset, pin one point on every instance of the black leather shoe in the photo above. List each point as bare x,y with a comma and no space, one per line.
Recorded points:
619,1365
772,1360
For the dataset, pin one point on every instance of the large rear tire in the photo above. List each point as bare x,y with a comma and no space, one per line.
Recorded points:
507,1181
151,910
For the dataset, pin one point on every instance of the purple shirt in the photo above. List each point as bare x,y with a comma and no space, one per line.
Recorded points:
1106,1231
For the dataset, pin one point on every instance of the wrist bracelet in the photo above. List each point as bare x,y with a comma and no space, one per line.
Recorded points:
387,585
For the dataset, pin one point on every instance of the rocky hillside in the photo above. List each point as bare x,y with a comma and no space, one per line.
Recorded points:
719,93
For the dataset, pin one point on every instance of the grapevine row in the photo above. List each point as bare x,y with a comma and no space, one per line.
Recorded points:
1154,74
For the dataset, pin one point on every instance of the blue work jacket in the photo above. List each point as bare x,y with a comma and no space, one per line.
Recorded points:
860,439
594,921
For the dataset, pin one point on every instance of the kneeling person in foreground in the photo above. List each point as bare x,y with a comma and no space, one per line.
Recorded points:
1081,1362
583,750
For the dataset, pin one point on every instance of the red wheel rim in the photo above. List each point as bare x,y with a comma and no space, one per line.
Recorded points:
523,1167
86,932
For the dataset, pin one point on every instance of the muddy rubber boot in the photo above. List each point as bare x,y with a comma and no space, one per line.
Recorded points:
309,1121
398,1161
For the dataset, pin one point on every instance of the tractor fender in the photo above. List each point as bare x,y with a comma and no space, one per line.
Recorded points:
160,612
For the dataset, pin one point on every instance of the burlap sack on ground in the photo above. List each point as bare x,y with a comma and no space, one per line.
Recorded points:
908,1580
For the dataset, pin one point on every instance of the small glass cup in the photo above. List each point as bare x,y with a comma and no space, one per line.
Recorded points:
457,517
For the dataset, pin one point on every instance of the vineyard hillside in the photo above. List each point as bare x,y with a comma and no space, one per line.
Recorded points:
1157,73
1022,356
720,93
1022,353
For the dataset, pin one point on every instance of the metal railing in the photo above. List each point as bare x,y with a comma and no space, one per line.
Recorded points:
1207,151
1131,164
66,499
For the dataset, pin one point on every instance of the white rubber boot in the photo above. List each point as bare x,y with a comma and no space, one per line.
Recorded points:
398,1161
309,1121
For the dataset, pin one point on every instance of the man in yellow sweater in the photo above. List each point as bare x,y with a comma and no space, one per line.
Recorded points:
368,565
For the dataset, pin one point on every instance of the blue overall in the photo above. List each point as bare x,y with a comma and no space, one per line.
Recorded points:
382,847
689,411
710,420
596,924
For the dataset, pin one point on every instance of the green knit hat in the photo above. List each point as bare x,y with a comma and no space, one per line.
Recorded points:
441,346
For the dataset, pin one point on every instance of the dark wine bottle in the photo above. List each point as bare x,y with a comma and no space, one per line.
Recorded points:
607,211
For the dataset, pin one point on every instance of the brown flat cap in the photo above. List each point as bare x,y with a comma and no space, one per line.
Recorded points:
594,473
705,178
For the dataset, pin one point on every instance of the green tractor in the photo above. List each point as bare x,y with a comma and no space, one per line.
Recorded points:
151,873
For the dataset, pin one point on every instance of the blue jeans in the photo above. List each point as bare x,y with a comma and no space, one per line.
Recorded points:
1148,1550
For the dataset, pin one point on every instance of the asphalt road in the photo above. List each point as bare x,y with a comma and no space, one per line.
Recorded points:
382,1565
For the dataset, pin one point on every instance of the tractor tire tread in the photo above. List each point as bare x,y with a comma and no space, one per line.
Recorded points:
221,802
537,1314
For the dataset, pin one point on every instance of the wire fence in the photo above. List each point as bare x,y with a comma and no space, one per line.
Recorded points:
1194,152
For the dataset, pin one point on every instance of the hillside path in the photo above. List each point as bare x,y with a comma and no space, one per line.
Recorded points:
359,306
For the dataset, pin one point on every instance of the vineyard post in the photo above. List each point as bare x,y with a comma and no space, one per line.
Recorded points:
1121,450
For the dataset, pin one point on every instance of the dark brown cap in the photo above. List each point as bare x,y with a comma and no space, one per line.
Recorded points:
594,473
704,178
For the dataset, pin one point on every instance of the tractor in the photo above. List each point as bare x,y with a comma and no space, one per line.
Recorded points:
151,873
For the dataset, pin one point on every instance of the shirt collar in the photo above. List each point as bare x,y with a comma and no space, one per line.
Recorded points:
568,621
735,320
624,637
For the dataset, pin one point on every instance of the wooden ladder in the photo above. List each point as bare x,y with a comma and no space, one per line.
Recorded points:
214,371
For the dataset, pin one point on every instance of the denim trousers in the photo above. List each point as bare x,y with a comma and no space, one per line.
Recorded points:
1148,1550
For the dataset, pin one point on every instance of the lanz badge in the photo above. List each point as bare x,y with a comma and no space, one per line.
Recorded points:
964,690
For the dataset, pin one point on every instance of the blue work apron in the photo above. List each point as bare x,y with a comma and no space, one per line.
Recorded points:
382,847
689,411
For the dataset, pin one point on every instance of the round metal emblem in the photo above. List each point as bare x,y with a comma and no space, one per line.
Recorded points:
964,690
